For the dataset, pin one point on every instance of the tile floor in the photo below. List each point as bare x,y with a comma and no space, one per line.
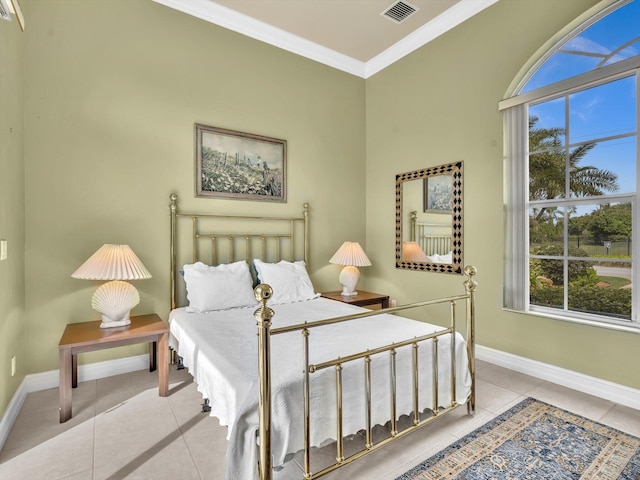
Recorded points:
122,429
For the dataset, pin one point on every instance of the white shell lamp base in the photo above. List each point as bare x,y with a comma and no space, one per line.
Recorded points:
108,323
348,278
114,300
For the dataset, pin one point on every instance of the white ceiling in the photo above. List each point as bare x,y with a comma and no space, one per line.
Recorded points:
350,35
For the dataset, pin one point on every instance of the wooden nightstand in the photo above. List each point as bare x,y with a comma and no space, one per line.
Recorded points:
88,337
362,299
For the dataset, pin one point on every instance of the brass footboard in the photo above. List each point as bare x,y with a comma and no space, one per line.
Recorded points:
264,314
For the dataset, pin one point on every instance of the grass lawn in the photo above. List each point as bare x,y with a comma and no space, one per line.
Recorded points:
615,282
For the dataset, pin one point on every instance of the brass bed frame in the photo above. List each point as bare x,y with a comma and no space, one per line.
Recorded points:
287,232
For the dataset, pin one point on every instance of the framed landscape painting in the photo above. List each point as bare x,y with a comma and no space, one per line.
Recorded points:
238,165
438,194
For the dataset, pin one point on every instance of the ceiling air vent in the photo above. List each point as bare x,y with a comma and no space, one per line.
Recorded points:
399,11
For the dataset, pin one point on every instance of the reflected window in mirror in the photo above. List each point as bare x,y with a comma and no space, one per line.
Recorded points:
429,219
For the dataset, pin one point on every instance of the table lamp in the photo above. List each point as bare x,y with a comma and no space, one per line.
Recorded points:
115,299
411,252
351,255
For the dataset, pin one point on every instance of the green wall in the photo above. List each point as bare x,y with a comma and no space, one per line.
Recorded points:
107,99
12,318
440,105
112,94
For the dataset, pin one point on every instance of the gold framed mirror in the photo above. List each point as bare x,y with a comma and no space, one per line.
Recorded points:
429,219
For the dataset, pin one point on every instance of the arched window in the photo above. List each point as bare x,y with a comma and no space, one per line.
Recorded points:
571,176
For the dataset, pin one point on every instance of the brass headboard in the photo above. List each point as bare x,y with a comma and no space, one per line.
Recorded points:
431,236
263,237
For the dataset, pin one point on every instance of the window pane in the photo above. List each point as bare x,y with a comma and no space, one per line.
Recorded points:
600,44
601,231
546,282
603,111
547,125
546,231
547,178
602,288
604,167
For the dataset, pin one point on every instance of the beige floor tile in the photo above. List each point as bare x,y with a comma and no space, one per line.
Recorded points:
571,400
141,379
624,419
168,459
35,427
86,475
134,426
509,379
207,444
45,399
67,453
493,398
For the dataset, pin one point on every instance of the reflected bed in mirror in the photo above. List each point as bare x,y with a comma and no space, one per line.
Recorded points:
429,217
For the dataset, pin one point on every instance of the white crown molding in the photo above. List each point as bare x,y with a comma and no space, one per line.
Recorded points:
225,17
449,19
238,22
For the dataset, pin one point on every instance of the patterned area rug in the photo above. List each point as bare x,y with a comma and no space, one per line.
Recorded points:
534,440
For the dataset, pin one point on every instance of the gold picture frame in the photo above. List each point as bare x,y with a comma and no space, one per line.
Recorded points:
237,165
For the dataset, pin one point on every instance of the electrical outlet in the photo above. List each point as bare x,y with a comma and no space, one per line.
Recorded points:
13,365
393,303
3,249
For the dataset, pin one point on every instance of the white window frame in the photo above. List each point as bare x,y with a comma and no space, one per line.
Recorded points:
516,144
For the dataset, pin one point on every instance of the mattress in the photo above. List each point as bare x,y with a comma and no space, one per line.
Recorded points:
220,350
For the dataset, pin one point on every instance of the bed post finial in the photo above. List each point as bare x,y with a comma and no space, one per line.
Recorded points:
263,315
470,286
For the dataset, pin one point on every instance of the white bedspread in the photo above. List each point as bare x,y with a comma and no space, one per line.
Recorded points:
220,351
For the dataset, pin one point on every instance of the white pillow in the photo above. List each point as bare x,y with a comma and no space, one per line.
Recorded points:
218,288
446,258
290,281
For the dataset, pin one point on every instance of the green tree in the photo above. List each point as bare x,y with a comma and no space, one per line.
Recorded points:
547,166
610,220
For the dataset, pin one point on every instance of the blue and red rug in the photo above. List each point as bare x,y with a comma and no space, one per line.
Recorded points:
534,440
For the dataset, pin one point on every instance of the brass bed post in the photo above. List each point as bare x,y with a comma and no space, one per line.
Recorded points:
263,315
416,386
172,250
470,286
306,232
453,354
414,226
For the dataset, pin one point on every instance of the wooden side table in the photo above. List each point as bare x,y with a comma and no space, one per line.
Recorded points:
88,337
362,299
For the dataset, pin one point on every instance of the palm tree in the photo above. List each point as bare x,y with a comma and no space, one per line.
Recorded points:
547,165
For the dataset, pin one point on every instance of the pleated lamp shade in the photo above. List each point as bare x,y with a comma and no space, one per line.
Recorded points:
112,262
411,252
115,299
351,255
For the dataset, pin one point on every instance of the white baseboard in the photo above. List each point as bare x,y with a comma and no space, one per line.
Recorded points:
12,411
51,379
614,392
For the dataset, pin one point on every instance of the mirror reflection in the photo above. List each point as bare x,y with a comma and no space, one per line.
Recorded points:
429,219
